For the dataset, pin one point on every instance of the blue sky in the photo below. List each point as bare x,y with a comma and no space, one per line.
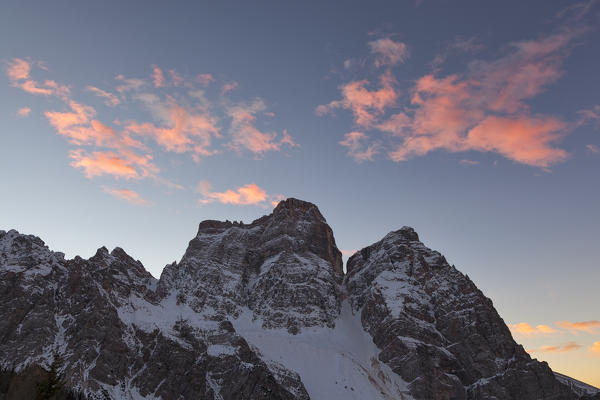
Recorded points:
477,124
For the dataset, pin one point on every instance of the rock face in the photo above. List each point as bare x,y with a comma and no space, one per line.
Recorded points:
437,330
261,311
285,267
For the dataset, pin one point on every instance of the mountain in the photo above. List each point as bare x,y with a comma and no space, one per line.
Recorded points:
258,311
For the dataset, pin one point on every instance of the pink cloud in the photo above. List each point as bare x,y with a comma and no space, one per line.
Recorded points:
109,99
484,109
79,127
18,69
69,123
525,329
522,74
32,87
158,78
103,163
565,348
595,348
276,199
584,326
589,114
228,87
18,73
123,150
460,114
524,139
204,79
357,149
366,105
287,139
245,134
467,45
183,131
250,194
388,53
176,78
128,195
593,148
458,44
128,84
23,112
451,115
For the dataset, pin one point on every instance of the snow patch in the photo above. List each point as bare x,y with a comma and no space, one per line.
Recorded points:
339,363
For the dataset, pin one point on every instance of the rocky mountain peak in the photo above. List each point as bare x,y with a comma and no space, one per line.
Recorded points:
263,310
292,206
301,227
405,233
25,250
287,260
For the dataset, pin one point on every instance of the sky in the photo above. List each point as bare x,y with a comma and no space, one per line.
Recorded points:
477,123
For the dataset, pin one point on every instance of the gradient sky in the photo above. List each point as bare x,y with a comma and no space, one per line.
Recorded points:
477,123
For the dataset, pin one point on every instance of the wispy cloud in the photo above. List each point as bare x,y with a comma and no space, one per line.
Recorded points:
485,108
583,326
526,329
595,348
358,147
250,194
183,122
158,78
23,112
128,84
79,127
109,99
182,130
176,78
591,114
204,79
388,53
564,348
18,73
103,163
593,148
18,70
127,195
366,105
228,87
459,45
246,135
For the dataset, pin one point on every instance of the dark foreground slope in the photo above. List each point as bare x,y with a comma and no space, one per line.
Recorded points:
260,311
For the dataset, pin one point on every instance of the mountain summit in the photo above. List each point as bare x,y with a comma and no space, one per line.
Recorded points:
259,311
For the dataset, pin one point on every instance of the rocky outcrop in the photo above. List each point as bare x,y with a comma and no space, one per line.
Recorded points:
285,267
437,330
103,316
260,311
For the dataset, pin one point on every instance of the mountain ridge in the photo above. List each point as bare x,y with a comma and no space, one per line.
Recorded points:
263,310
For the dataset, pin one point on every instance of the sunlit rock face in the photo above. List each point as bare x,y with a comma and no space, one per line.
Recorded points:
260,311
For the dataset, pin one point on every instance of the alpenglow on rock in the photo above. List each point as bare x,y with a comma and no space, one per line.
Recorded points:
259,311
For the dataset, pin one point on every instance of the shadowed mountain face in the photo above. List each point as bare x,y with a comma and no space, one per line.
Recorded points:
262,311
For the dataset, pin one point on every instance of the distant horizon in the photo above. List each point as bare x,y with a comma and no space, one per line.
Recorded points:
127,124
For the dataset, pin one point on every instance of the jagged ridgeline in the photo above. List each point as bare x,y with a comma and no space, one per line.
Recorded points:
257,311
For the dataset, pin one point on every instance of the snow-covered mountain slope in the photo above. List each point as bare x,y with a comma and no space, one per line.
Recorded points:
578,387
262,311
